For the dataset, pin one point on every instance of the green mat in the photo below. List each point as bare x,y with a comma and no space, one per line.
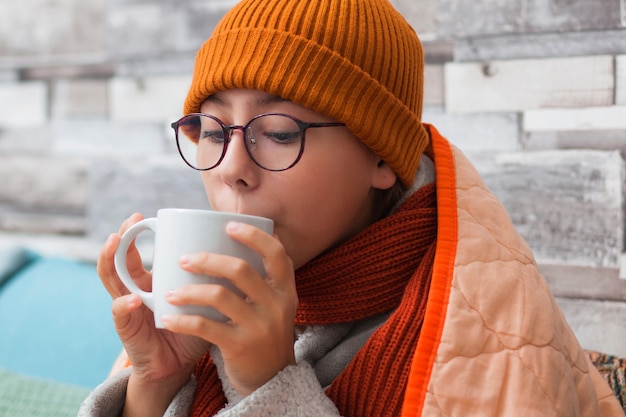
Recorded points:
24,396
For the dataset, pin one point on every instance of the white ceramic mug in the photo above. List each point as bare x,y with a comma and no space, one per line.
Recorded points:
182,232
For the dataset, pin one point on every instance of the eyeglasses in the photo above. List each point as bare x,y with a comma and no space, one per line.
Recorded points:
274,141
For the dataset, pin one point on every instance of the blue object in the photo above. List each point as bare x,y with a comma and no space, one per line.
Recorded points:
12,259
55,323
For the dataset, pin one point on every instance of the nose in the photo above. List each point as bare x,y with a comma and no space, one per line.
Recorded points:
237,168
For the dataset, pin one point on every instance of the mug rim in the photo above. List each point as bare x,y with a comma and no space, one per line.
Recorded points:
214,213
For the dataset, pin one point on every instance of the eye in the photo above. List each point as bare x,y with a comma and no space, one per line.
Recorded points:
212,135
283,138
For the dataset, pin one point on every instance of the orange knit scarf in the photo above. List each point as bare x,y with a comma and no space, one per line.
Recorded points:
386,267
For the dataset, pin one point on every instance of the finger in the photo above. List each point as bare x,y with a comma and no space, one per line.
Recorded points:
227,302
105,266
236,270
193,325
134,218
278,265
122,308
105,258
133,257
106,269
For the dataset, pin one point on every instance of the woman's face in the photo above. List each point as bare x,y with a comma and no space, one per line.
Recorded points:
323,200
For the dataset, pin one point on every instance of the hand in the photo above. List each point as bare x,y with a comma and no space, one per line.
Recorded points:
258,340
159,358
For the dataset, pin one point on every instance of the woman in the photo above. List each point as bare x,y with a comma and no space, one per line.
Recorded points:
396,283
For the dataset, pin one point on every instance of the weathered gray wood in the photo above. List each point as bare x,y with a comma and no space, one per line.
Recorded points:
437,51
175,63
584,282
43,194
61,27
97,138
139,29
539,45
149,99
48,222
21,140
80,98
23,104
606,140
433,85
529,84
495,132
598,325
8,75
581,119
39,182
566,204
121,188
460,18
588,128
71,70
620,79
422,15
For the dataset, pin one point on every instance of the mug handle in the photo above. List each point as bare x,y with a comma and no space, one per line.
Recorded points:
120,259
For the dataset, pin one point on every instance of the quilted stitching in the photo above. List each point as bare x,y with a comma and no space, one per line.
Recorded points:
506,348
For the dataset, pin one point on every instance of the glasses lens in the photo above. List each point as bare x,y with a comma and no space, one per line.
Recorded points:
274,141
200,141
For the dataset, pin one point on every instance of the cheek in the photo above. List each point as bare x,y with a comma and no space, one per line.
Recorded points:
324,212
208,181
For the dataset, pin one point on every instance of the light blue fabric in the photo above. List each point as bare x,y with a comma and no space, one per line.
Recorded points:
55,323
12,259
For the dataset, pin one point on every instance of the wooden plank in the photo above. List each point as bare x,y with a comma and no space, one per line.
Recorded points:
607,140
53,245
584,282
36,182
620,79
433,85
518,85
584,119
118,188
149,99
68,70
461,18
23,104
598,325
490,132
97,138
566,204
540,45
43,223
52,202
421,15
60,27
76,98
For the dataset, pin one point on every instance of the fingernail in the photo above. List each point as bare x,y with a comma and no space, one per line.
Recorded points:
184,260
134,301
233,226
165,319
170,294
109,239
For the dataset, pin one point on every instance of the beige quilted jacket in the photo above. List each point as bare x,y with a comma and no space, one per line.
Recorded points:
494,341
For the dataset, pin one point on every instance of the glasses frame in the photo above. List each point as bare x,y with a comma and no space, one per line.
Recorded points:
228,130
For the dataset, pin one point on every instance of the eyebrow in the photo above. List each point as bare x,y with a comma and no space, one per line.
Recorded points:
271,99
267,99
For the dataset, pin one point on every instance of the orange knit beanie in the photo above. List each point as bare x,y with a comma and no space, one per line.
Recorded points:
357,61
